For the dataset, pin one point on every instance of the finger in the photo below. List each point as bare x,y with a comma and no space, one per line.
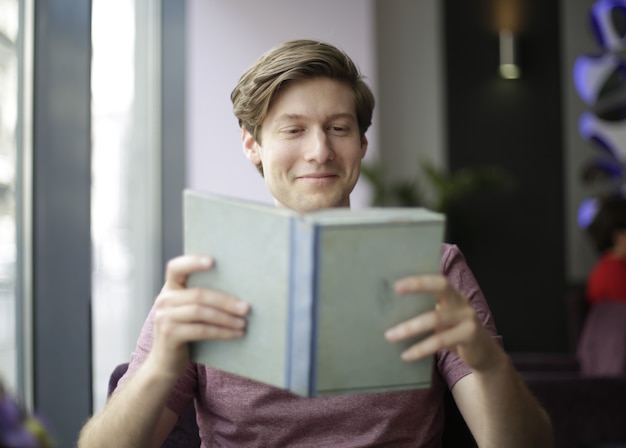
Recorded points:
438,285
198,332
202,297
179,325
179,268
194,313
422,283
190,332
429,321
447,339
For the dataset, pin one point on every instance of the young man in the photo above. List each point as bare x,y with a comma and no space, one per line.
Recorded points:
304,110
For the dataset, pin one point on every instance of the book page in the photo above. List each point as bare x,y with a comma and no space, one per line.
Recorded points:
356,304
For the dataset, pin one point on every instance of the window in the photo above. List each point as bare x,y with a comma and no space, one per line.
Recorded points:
125,181
10,162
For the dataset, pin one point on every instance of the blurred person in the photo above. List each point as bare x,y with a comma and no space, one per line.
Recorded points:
607,231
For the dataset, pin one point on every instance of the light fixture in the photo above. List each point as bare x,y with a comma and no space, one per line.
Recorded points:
509,66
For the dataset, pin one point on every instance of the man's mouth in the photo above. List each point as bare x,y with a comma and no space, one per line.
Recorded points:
314,176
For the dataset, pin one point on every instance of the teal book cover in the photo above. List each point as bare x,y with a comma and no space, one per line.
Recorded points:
320,287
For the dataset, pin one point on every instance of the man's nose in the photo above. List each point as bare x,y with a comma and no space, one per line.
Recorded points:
319,147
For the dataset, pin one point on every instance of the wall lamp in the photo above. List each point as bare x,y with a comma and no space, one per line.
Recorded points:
509,64
507,18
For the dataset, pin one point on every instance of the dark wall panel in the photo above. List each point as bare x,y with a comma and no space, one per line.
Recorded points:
173,129
61,215
513,241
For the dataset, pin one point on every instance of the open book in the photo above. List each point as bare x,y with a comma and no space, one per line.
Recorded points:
321,289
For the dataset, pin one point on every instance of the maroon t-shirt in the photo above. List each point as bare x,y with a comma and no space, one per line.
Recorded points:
233,412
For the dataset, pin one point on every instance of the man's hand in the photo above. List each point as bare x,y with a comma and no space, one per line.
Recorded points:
454,324
509,415
136,414
183,315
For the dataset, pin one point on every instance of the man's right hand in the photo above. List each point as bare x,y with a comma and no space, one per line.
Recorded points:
184,315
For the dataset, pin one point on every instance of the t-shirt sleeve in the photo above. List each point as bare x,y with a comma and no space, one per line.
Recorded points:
184,389
458,273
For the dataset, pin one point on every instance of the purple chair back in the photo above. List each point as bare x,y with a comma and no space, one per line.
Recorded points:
185,433
602,347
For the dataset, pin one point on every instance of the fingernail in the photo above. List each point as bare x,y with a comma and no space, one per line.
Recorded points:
391,333
206,261
400,285
243,307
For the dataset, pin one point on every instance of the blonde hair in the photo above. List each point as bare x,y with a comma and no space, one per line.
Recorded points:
292,61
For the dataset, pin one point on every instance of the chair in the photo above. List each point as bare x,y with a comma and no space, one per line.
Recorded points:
185,433
584,391
602,347
456,434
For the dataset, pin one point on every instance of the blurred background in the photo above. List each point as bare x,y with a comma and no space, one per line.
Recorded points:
109,108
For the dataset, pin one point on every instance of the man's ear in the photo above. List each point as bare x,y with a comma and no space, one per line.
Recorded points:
364,144
250,147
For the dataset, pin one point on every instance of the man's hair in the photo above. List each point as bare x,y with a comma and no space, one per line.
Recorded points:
610,218
294,61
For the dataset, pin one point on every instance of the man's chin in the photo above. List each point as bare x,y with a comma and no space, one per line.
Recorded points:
305,200
310,204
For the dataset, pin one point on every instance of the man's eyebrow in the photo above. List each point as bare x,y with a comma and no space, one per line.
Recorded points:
347,115
289,117
294,117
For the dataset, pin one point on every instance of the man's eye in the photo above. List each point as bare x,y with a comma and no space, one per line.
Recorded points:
338,129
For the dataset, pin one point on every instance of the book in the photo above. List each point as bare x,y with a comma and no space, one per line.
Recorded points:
320,285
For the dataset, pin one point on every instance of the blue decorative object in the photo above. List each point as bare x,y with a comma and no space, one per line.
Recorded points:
600,81
603,169
586,212
20,429
604,26
609,136
592,72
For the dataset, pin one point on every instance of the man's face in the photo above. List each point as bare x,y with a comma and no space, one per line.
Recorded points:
311,149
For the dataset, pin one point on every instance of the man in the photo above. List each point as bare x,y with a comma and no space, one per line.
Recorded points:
304,110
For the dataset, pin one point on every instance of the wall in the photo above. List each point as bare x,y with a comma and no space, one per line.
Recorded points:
515,242
411,85
56,211
576,40
224,38
454,111
396,43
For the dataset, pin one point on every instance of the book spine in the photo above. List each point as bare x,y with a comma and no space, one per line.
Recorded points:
314,305
301,332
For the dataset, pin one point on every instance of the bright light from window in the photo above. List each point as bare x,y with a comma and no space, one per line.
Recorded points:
124,180
9,111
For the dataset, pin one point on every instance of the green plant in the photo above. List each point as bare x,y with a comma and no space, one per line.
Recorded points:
446,187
